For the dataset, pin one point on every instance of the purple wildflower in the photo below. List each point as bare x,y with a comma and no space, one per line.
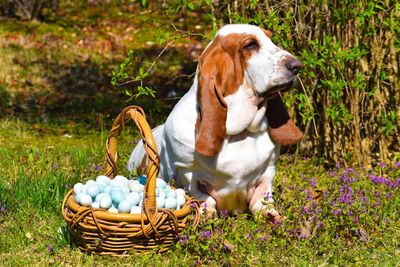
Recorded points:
205,234
54,166
224,213
397,165
313,182
337,165
50,248
2,208
388,195
332,173
302,236
184,239
382,165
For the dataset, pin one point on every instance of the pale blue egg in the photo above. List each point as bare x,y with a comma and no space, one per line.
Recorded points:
93,190
133,198
115,188
138,188
170,203
181,200
78,188
160,183
107,190
99,196
160,202
77,198
116,183
105,202
131,183
95,205
101,186
171,194
124,206
86,200
117,197
103,179
136,210
180,191
121,179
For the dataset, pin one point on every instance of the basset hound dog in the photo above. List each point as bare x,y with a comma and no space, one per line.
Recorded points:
222,139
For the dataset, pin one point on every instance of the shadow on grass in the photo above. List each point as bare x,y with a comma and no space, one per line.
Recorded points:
80,90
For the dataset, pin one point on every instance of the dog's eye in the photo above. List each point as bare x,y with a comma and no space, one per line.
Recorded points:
252,45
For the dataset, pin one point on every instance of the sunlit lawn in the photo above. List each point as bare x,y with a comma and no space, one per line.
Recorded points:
337,216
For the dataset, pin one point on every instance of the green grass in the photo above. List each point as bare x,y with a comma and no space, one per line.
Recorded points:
39,163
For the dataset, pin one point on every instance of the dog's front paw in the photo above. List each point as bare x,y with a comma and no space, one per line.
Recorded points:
272,215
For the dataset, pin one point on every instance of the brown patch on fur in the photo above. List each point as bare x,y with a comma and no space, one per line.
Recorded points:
280,127
267,33
220,73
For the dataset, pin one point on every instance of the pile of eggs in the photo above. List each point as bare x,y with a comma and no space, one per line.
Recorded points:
121,195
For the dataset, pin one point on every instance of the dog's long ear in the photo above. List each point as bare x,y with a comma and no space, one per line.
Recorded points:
280,127
219,74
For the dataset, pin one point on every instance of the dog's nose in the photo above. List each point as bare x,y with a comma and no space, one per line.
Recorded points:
293,65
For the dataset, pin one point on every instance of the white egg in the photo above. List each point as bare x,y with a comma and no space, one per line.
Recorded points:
162,194
160,183
124,206
125,190
95,205
93,190
181,200
78,188
171,194
105,202
136,210
168,188
170,203
83,190
178,207
138,188
133,198
180,191
90,182
77,198
103,179
121,179
160,202
113,209
158,191
86,200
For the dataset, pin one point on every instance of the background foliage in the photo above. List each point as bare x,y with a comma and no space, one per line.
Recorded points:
348,101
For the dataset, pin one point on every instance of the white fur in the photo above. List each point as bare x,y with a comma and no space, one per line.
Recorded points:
247,158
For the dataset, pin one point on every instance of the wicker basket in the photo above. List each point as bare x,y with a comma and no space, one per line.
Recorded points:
101,232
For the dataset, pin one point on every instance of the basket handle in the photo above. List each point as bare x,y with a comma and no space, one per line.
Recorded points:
136,114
